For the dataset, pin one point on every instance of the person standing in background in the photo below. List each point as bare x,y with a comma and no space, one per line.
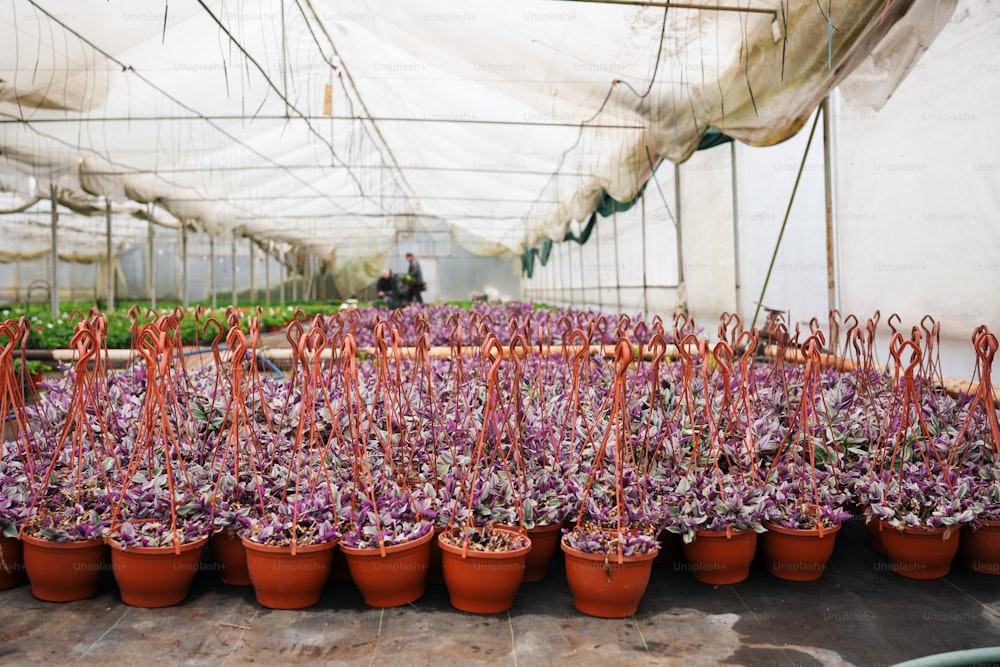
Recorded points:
416,280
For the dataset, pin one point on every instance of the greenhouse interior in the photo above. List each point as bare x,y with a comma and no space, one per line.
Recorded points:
537,332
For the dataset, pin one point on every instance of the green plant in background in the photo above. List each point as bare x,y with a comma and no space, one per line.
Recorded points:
53,333
34,367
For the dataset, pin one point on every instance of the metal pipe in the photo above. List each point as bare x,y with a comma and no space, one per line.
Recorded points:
678,217
232,270
831,292
618,263
150,263
284,278
253,271
736,223
597,250
211,270
667,4
645,283
267,279
54,269
184,266
109,248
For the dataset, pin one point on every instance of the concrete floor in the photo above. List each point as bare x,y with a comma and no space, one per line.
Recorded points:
859,613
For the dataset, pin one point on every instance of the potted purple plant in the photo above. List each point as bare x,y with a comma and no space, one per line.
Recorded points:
611,546
64,551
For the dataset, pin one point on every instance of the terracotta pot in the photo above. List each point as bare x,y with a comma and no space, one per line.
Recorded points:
604,588
544,542
435,572
154,577
11,563
714,558
797,554
230,554
874,529
980,549
920,553
65,571
283,581
483,582
397,578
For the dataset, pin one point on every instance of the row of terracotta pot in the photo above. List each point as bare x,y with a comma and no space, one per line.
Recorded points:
479,582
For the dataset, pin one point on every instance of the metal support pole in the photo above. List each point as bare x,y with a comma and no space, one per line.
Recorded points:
184,266
645,295
284,278
583,276
597,251
109,248
232,267
831,292
54,269
211,271
566,261
678,217
618,263
150,277
253,271
267,279
736,224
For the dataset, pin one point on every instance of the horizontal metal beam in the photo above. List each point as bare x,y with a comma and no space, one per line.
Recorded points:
380,119
682,5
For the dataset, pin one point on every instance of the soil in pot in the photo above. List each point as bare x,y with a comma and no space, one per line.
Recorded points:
483,582
397,578
797,554
716,558
153,577
11,563
65,571
980,548
920,553
283,581
602,586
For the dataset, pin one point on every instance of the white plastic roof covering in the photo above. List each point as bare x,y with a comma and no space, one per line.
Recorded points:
503,121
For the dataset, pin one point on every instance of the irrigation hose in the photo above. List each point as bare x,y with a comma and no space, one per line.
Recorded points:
974,656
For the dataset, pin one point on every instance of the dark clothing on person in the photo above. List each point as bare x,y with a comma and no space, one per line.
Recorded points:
385,285
389,292
417,284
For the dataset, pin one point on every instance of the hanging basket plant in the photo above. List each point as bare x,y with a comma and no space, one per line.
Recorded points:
71,494
295,523
611,546
474,542
916,491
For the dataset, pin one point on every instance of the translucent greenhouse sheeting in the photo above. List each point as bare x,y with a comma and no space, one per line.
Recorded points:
330,126
914,195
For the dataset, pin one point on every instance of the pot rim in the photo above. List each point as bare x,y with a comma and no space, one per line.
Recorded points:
156,551
801,532
281,549
370,552
612,559
513,553
28,538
